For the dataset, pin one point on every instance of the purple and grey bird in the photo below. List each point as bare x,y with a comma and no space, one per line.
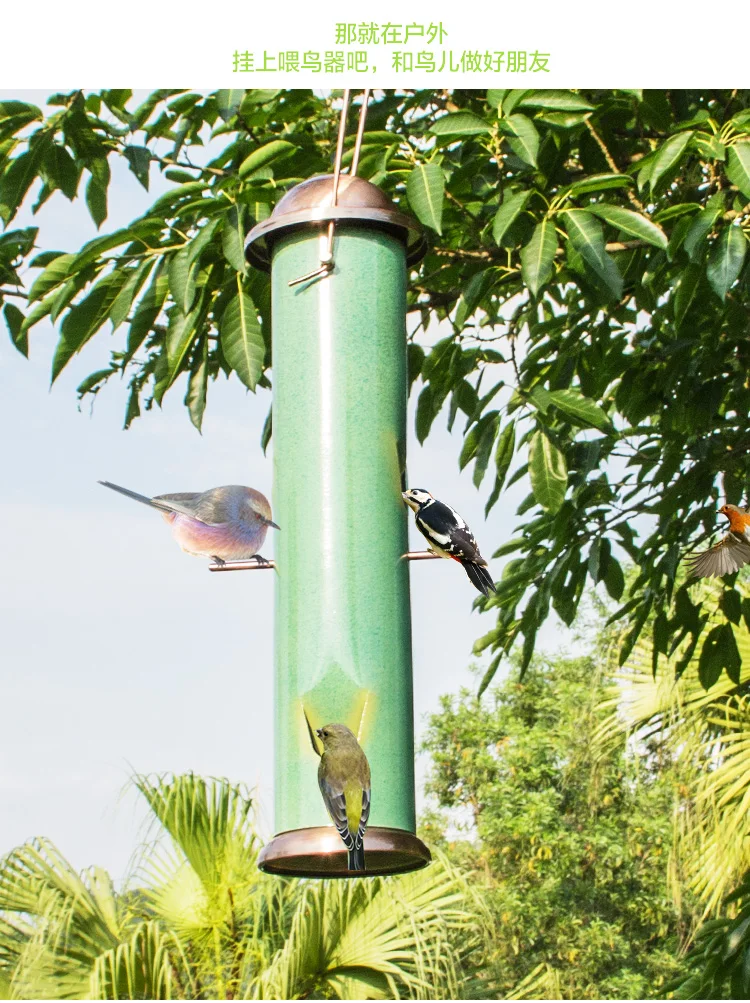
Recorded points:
226,524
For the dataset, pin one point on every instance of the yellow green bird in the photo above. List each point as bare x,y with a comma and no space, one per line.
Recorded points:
344,779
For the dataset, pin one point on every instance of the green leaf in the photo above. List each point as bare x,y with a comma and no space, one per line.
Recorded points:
96,200
183,267
264,155
470,444
506,445
524,139
178,340
84,319
256,97
18,334
685,290
19,176
630,222
719,652
538,256
195,398
56,272
174,195
581,409
242,340
738,166
548,472
459,123
598,183
425,414
703,223
512,98
91,381
20,109
726,260
512,207
484,448
424,188
124,299
489,674
147,311
139,161
43,259
228,102
668,157
266,433
586,236
62,170
233,238
182,271
614,579
555,100
415,360
495,97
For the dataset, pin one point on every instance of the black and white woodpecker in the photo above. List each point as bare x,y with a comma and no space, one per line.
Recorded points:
449,536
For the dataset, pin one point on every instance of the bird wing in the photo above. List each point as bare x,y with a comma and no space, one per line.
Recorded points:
724,558
364,817
445,527
214,507
335,802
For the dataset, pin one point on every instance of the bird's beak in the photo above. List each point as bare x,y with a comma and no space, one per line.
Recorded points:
272,524
319,732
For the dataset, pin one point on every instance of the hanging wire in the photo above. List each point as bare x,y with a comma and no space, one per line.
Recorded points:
337,174
360,131
326,260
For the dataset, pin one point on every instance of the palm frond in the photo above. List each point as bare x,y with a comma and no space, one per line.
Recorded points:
138,969
708,734
377,939
56,922
543,983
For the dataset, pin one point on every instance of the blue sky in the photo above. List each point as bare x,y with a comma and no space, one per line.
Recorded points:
121,653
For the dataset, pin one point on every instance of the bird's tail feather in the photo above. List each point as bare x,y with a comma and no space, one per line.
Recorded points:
356,859
136,497
479,577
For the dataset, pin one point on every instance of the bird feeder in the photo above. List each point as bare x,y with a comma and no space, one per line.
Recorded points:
343,623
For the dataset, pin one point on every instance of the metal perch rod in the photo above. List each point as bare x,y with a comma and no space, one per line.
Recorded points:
412,555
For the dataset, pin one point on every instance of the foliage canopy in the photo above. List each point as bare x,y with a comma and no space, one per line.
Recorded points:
588,252
574,847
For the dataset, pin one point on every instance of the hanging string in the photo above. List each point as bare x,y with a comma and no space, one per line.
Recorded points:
326,260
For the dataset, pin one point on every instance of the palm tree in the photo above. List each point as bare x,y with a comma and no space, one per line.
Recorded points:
200,921
707,732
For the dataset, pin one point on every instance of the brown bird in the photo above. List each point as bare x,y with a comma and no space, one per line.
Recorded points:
730,553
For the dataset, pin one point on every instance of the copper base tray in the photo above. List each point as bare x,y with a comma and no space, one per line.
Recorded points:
318,852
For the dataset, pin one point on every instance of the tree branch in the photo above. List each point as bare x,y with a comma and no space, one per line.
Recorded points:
611,161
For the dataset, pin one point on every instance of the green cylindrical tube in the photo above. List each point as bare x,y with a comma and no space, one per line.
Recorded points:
343,634
343,625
